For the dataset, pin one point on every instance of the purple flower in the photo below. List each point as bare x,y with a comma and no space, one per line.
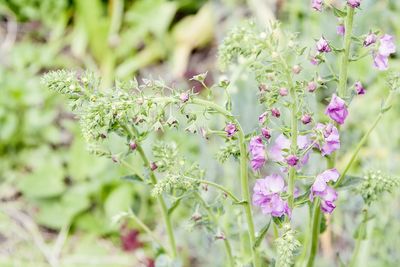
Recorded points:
359,88
280,149
266,133
230,129
326,193
275,112
266,195
381,62
370,39
354,3
340,29
306,119
312,86
317,5
257,151
387,45
337,109
314,61
323,46
331,141
283,91
292,160
262,118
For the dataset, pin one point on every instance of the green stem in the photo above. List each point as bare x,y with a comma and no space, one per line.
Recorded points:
227,245
218,186
163,206
293,146
342,90
360,237
365,137
315,233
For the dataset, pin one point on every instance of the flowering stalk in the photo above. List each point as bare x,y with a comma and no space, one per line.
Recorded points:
384,108
293,146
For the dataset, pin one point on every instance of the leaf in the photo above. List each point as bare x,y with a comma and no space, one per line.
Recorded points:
174,205
119,200
339,13
323,224
301,200
260,237
132,178
279,220
350,181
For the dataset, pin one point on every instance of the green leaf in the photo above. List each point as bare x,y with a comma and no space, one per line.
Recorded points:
119,200
132,178
174,205
260,237
279,221
301,200
323,224
350,181
339,13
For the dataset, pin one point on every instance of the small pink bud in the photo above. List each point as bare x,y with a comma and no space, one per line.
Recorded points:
354,3
230,129
266,133
184,97
153,166
292,160
360,90
132,145
296,69
369,40
340,30
283,91
275,112
312,86
306,119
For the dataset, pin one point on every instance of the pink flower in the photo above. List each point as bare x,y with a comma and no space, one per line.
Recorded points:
230,129
381,62
262,118
326,193
323,46
340,29
314,60
387,45
280,149
331,141
184,97
360,90
337,109
292,160
317,5
370,39
266,195
257,152
354,3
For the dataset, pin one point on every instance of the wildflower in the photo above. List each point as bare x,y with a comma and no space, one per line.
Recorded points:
340,29
283,91
337,109
278,151
230,129
153,166
312,86
257,151
317,5
370,39
306,119
292,160
266,133
326,193
354,3
323,46
275,112
184,97
331,140
359,88
266,195
314,60
386,47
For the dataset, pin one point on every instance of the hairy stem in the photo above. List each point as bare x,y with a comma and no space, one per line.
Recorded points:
314,233
342,90
293,146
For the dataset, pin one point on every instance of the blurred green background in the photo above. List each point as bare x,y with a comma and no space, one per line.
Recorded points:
57,200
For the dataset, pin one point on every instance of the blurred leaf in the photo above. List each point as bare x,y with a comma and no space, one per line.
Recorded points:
119,200
261,235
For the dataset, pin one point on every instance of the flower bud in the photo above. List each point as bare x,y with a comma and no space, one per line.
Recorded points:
153,166
292,160
306,119
340,30
369,40
323,46
262,118
132,145
312,86
184,97
275,112
283,91
296,69
317,5
354,3
266,133
230,129
360,90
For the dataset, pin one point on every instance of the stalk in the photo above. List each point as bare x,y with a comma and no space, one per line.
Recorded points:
163,206
360,237
293,146
342,93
